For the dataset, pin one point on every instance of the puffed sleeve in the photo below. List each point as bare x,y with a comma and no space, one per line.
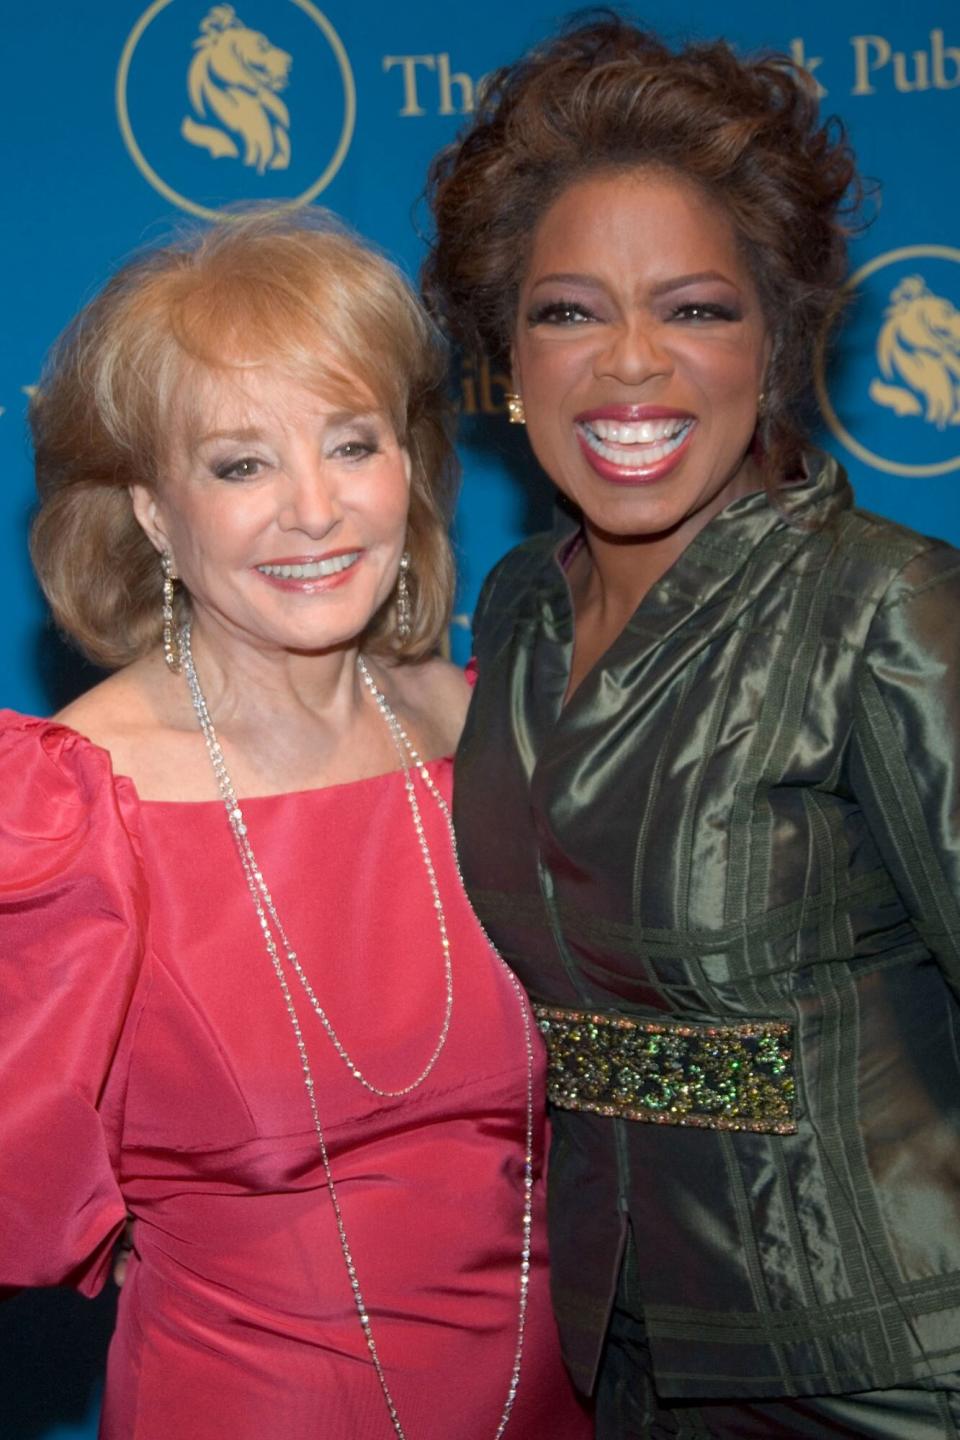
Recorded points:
905,746
72,908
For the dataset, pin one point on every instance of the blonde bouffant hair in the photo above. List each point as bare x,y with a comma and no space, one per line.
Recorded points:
294,291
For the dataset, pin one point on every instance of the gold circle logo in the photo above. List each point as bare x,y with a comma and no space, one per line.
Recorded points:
221,90
900,381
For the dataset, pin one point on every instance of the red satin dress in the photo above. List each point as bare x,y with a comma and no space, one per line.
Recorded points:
148,1065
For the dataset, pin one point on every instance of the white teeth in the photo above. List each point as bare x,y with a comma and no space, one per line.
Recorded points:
637,432
635,446
312,569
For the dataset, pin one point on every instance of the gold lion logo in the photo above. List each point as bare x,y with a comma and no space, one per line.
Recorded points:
233,80
919,347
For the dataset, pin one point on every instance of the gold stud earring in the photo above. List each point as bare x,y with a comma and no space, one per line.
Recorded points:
171,640
404,608
761,404
515,411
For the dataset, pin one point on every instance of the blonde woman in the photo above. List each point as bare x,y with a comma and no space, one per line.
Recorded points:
244,997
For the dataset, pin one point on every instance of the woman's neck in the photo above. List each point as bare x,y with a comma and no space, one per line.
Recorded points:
251,687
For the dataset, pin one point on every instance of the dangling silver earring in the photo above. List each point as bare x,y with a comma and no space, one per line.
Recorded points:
171,640
515,411
761,404
404,609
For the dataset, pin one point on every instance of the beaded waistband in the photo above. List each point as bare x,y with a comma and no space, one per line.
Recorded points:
714,1077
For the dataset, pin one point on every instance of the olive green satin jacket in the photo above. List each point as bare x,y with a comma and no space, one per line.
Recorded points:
748,812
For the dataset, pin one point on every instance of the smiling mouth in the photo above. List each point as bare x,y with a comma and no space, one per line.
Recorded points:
635,444
311,569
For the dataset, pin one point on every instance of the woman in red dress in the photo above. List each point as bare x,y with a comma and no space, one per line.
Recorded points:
245,1000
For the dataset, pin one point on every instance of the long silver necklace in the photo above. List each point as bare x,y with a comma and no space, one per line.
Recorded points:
278,947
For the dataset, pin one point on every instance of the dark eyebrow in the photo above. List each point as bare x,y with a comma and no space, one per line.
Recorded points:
678,282
662,287
558,277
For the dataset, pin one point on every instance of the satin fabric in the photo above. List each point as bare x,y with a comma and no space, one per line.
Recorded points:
629,1408
148,1064
749,810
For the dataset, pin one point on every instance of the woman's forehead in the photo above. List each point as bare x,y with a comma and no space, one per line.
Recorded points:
248,396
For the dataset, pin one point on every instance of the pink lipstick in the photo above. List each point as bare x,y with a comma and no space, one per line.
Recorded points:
634,444
308,574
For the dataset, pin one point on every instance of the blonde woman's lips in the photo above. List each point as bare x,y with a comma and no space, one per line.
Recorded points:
310,572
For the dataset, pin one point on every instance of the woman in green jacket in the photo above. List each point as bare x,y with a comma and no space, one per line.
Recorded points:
707,796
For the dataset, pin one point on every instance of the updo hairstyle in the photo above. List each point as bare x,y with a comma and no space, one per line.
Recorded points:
606,96
297,292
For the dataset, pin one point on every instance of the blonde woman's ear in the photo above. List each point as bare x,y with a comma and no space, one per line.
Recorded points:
146,510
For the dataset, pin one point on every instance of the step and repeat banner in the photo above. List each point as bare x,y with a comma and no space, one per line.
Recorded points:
125,123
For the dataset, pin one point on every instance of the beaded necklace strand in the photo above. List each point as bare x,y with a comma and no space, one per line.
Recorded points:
279,948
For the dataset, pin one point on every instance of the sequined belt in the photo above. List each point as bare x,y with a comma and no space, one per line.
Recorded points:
715,1077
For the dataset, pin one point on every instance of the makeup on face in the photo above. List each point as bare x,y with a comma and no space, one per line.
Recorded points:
286,514
639,350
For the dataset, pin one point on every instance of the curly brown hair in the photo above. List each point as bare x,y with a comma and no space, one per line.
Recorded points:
605,95
292,290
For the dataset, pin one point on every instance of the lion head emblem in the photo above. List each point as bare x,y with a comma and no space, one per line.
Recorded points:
918,349
233,83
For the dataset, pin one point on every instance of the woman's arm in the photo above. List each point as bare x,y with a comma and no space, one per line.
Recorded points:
905,755
71,925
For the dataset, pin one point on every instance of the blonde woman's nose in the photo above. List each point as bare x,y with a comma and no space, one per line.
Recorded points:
309,502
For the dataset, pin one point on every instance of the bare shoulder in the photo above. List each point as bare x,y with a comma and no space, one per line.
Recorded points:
127,716
435,694
109,710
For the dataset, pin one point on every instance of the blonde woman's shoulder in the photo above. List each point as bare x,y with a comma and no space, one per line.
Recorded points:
435,693
128,716
111,706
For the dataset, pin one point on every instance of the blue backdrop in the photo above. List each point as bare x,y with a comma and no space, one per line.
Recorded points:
122,125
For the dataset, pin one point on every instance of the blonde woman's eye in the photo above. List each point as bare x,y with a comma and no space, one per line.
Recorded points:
246,468
356,449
